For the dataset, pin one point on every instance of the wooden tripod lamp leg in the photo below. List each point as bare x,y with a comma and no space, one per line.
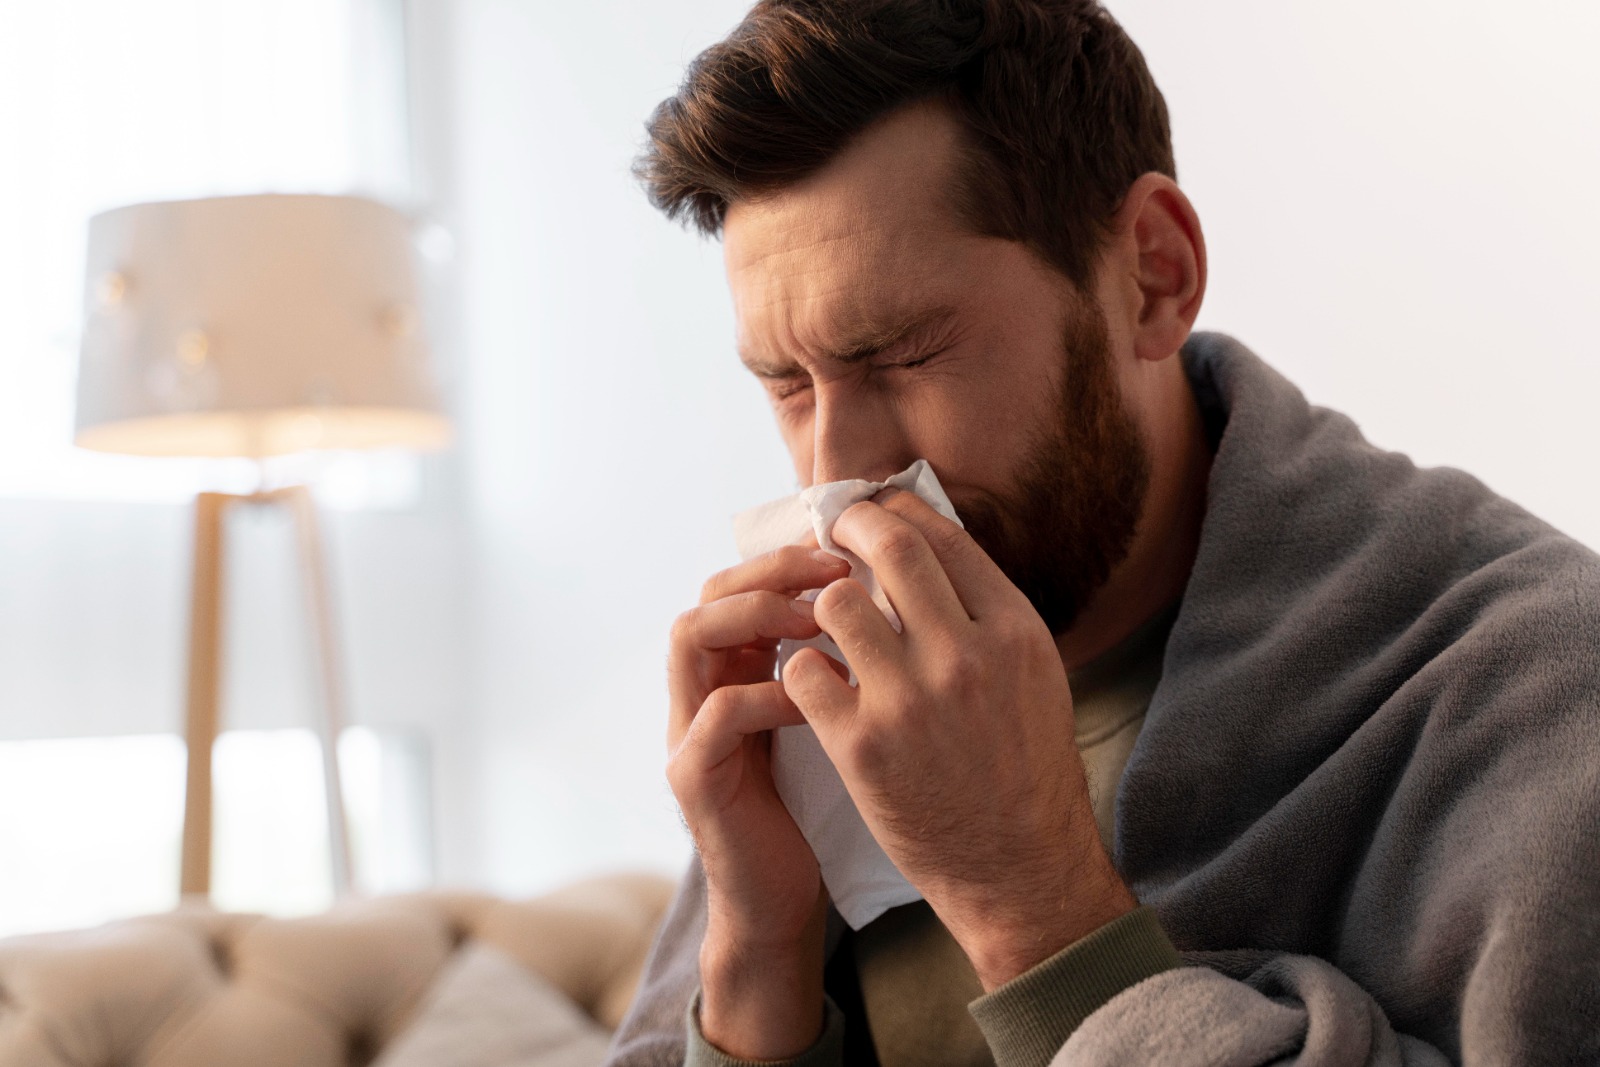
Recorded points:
318,599
204,693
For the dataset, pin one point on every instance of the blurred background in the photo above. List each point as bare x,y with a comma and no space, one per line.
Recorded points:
1398,200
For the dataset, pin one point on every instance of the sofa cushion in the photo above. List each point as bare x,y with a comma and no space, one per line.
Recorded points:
197,988
487,1010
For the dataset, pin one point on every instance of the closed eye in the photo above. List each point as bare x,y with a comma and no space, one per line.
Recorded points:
782,388
918,361
785,388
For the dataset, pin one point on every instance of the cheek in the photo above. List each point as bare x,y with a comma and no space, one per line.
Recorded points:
973,437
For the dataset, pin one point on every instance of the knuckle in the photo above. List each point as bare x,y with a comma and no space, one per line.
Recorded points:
1012,632
960,664
716,707
791,557
675,771
683,777
770,603
683,627
855,509
1027,625
715,586
694,738
764,613
836,597
678,758
899,545
796,686
790,678
871,752
944,542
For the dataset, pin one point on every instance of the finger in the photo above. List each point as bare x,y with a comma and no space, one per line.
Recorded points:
704,638
868,643
978,582
745,666
905,565
792,568
820,690
744,619
727,717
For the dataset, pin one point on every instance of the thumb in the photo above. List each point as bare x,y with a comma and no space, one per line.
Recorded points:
819,686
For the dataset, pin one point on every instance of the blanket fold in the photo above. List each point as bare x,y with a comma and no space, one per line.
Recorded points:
1367,791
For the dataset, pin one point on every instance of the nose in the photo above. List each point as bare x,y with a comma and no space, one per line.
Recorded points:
856,434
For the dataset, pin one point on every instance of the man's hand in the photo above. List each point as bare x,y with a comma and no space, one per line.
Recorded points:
958,744
761,963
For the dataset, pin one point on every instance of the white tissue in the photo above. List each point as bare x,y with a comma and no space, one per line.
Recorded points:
861,879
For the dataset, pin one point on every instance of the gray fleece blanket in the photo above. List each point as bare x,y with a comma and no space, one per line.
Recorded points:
1366,800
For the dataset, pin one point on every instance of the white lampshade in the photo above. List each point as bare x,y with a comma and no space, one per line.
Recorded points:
254,326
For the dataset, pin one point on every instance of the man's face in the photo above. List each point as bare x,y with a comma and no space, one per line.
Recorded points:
885,332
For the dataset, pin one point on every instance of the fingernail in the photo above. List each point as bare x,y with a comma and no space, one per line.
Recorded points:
803,608
822,556
884,494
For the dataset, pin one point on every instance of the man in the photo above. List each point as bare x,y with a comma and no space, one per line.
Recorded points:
1217,736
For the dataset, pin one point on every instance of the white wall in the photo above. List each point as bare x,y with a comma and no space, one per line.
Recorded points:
607,440
1397,199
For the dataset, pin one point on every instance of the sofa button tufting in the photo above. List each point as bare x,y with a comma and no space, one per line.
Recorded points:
293,970
221,956
360,1050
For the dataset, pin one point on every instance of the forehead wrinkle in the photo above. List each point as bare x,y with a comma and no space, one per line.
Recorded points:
838,298
796,238
810,278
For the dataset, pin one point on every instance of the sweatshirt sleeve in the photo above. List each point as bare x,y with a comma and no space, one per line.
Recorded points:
1028,1019
828,1051
652,1033
1284,1010
1124,995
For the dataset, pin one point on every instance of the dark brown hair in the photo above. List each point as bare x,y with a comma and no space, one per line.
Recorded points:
1061,113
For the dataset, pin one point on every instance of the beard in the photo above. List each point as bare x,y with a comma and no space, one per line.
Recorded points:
1068,518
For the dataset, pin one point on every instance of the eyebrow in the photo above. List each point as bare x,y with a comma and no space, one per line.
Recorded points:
864,342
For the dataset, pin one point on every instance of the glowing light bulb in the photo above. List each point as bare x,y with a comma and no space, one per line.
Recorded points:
194,348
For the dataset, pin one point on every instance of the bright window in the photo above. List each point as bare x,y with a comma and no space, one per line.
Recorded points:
79,808
106,102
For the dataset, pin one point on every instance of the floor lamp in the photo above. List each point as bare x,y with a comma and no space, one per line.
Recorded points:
254,326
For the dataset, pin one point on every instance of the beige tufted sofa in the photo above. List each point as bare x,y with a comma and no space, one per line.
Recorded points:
201,988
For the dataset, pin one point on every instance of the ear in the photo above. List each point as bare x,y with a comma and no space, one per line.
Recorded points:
1161,256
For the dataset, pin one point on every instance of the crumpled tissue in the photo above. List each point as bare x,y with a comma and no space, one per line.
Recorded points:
861,879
